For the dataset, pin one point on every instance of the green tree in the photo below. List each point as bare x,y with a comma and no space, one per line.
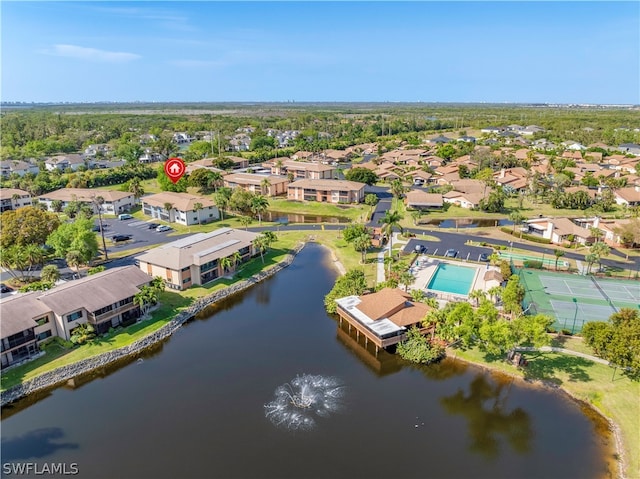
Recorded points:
600,250
222,198
370,199
361,175
226,263
259,205
558,253
241,201
353,283
260,245
362,243
397,190
513,295
56,206
418,349
75,260
390,221
353,231
50,273
494,203
27,225
265,185
245,221
201,179
82,333
135,187
197,207
517,218
167,185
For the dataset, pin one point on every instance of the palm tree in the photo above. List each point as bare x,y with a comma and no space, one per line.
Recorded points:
477,295
245,221
417,295
558,253
197,207
278,166
600,250
135,187
390,221
168,207
215,179
415,216
74,258
517,218
362,243
226,263
13,260
222,197
270,237
259,205
265,184
397,189
260,244
50,273
98,201
494,293
597,233
237,258
34,255
407,279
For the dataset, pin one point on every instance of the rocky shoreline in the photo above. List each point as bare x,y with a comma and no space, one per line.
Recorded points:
70,371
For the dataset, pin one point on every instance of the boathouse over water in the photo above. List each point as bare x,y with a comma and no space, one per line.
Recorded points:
383,317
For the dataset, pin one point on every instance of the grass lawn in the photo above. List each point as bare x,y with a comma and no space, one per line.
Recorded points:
587,381
353,212
170,302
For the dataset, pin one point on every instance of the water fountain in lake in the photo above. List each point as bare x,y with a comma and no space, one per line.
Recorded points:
297,404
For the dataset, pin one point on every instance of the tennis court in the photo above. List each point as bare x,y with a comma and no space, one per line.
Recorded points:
548,261
574,300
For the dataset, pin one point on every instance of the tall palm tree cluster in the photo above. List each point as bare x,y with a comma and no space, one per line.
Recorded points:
149,295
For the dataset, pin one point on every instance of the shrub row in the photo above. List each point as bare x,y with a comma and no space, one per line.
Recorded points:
535,239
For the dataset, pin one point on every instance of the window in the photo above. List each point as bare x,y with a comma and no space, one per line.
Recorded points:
103,310
43,320
125,301
44,335
186,280
186,269
74,316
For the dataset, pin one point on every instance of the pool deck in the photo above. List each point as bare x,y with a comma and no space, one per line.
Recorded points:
425,267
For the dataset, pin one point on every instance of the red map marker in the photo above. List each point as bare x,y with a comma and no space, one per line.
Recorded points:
174,168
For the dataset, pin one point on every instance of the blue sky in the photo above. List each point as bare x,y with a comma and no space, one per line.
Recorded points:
570,52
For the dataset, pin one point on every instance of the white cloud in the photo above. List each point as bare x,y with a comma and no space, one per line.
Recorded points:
90,54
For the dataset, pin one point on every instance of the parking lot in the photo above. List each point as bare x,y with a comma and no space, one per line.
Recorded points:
139,231
438,248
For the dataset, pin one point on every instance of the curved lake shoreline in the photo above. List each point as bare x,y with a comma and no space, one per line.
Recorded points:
549,386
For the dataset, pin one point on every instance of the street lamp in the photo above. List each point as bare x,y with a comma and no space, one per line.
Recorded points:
575,315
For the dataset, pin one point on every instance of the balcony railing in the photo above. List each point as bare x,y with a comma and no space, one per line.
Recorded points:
14,343
121,309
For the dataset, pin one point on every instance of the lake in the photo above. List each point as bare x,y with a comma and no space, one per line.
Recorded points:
280,217
195,405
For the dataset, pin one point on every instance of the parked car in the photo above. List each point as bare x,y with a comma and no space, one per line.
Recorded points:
162,228
451,253
153,226
5,289
125,217
420,248
119,238
483,257
97,227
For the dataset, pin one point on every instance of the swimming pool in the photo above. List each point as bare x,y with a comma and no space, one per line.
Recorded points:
450,278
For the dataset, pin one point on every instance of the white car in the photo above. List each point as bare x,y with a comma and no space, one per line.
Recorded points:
163,228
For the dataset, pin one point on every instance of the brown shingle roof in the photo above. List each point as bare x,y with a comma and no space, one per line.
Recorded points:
329,185
95,291
17,313
383,303
85,194
180,201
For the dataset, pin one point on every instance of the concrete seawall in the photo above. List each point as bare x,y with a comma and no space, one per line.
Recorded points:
64,373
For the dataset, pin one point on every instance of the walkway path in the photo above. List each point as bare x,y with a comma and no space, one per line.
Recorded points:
549,349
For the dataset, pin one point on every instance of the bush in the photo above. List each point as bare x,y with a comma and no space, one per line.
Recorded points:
535,239
533,263
36,286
